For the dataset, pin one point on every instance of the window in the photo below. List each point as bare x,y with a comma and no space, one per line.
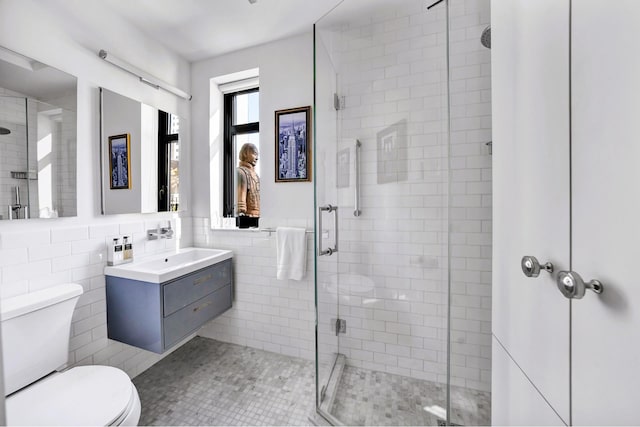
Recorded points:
168,161
241,125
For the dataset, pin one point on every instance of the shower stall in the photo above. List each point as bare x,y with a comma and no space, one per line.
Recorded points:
38,167
402,153
17,168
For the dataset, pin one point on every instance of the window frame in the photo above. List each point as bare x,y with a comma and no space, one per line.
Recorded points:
165,139
229,161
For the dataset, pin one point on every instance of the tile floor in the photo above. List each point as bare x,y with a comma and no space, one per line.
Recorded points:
208,382
367,397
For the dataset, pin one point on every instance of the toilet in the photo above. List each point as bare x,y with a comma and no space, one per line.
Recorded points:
35,344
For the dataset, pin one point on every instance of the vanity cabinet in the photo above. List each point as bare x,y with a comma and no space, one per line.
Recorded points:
156,316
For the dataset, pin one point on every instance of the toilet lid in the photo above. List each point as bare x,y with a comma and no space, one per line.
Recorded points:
84,395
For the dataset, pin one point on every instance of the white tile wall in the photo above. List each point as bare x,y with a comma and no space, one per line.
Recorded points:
12,117
393,258
66,175
267,313
393,261
51,255
471,190
32,162
14,156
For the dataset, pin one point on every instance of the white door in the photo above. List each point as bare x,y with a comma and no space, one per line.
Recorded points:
606,210
538,183
530,81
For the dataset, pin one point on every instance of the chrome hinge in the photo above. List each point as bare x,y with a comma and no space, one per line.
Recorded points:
338,102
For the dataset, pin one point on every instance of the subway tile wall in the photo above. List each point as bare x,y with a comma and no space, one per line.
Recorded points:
66,175
429,213
62,187
267,313
393,266
32,163
470,211
399,325
12,117
392,274
37,257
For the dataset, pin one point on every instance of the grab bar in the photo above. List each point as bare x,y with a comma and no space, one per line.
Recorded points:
356,203
328,208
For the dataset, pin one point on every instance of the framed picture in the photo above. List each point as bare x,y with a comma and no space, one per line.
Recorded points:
392,153
120,161
343,168
293,145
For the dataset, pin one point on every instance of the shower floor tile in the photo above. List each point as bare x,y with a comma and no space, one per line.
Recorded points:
208,382
367,397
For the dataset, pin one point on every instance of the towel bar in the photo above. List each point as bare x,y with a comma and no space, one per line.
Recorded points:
273,230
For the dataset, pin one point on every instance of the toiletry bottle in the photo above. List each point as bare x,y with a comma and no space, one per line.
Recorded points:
118,257
128,249
111,252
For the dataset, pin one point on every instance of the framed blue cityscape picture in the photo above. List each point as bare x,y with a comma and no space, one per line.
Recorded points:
293,145
119,161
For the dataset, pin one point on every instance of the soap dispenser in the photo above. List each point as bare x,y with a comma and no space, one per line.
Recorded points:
128,249
118,253
113,252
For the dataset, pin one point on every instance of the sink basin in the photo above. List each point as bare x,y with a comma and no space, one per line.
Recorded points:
166,266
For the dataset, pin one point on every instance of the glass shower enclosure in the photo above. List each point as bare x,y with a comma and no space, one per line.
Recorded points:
403,213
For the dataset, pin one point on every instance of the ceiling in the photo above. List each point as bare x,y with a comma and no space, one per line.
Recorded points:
35,79
199,29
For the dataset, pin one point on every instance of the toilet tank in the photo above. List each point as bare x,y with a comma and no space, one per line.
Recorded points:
35,333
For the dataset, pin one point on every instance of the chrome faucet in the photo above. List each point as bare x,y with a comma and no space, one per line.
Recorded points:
14,211
160,232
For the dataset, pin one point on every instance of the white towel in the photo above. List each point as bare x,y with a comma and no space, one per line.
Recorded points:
292,253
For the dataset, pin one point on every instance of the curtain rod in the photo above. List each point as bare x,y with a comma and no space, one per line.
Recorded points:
150,81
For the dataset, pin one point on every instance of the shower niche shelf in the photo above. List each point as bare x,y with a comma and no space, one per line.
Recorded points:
24,175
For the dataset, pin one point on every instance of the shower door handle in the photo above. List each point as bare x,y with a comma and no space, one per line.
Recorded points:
334,210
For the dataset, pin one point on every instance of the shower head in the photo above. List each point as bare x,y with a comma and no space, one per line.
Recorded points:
4,131
485,38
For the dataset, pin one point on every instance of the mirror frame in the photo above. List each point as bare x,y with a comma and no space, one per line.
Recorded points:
147,202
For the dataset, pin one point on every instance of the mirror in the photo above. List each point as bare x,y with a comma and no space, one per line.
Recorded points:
37,139
140,156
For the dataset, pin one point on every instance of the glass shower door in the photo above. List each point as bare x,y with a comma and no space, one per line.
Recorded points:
382,157
326,263
403,119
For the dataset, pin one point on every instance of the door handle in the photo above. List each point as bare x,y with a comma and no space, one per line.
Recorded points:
573,287
531,267
330,209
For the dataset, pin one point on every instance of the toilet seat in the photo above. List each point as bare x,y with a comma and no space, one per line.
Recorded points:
84,395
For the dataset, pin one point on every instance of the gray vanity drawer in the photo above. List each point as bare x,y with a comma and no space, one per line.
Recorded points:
190,318
184,291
